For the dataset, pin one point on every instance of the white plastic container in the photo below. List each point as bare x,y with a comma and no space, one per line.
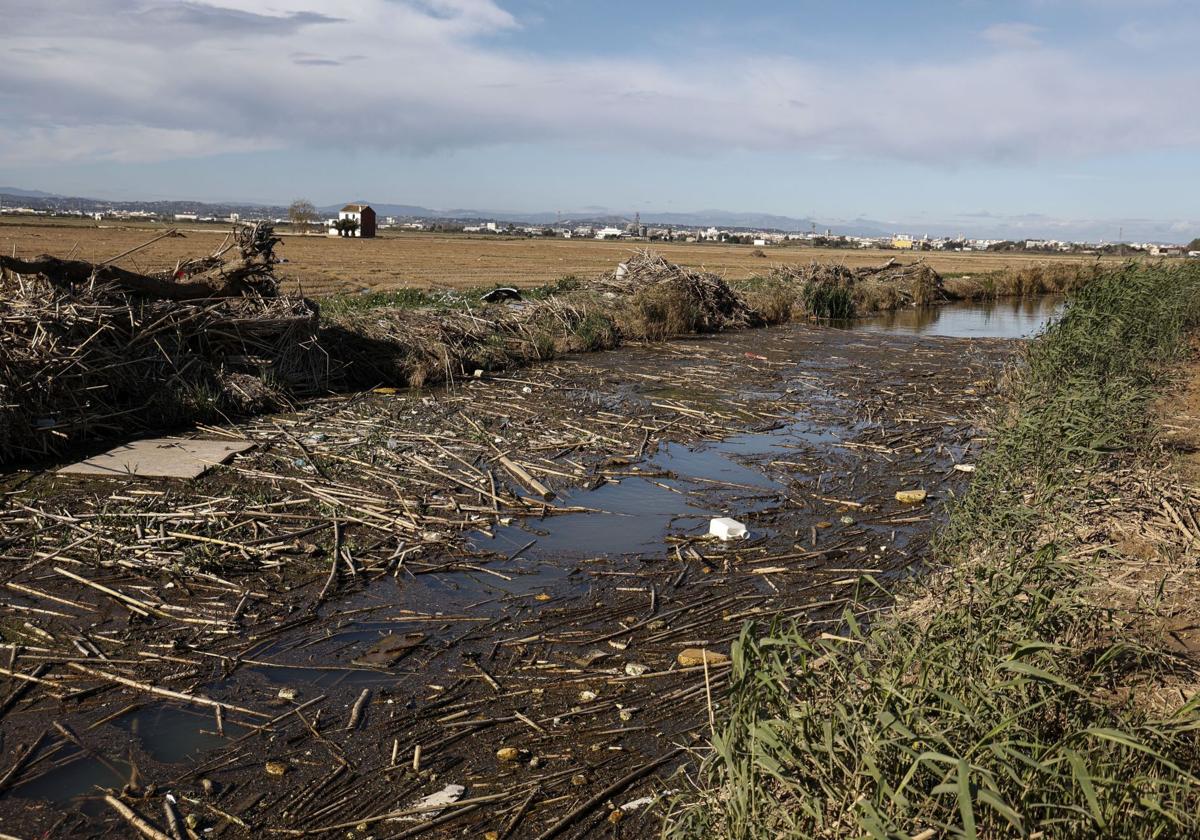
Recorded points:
727,529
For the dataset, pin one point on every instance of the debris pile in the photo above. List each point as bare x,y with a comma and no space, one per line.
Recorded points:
92,351
834,290
679,299
407,347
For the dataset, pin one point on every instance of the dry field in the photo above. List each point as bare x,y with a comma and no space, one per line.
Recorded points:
323,265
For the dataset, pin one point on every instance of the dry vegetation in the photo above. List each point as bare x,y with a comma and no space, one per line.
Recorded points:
323,265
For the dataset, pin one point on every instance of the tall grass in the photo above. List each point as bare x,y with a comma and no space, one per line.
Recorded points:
1025,281
999,699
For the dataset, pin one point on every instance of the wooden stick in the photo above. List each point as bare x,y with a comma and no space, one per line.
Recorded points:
612,790
529,481
139,607
197,699
19,764
131,817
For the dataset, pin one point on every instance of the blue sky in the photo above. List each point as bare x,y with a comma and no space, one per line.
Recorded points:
1072,117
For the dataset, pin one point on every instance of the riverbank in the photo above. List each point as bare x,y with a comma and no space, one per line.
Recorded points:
1038,682
93,362
390,552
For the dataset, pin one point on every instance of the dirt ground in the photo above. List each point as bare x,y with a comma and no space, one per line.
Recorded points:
321,265
380,600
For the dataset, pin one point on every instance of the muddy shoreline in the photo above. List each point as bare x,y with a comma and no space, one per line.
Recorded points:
514,621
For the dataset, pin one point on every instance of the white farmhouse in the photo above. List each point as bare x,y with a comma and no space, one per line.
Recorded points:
363,217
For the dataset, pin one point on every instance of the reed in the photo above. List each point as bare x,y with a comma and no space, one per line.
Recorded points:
1006,694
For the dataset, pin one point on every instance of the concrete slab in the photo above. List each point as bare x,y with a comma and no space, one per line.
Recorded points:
159,458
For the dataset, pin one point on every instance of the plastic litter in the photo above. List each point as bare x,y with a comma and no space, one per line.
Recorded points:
726,529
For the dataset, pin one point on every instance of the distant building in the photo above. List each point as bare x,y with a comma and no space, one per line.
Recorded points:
904,243
610,233
363,215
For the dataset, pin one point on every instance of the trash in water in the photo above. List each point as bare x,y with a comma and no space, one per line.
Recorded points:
910,497
967,468
431,805
726,529
691,657
389,650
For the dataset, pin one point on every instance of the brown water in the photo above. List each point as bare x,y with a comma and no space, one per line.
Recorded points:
1018,318
773,478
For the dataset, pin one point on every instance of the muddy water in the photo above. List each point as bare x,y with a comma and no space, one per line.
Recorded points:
838,421
1018,318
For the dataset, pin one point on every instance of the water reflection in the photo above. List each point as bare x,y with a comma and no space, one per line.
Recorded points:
1014,318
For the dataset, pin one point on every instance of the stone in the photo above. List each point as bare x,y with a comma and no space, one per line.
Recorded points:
691,657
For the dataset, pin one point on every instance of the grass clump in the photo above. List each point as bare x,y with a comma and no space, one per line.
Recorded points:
659,312
593,331
1001,698
1025,281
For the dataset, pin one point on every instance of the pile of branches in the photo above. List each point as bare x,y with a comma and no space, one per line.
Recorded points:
836,290
701,300
243,264
89,352
417,347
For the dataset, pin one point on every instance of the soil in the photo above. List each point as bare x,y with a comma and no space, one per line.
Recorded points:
383,601
322,265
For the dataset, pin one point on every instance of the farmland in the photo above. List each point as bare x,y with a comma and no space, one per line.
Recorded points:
320,265
399,599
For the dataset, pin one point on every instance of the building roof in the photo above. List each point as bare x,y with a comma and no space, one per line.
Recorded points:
355,208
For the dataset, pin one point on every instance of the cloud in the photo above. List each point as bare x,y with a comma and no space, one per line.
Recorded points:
1015,36
151,79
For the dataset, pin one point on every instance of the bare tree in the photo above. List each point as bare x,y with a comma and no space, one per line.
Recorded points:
302,213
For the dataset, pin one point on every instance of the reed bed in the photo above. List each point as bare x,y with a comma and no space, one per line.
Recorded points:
1059,278
94,361
1015,692
86,362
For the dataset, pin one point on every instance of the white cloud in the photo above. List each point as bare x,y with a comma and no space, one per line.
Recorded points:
151,79
1016,36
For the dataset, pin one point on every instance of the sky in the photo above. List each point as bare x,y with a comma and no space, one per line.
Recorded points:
1052,117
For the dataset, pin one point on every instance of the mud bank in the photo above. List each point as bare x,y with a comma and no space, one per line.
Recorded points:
380,601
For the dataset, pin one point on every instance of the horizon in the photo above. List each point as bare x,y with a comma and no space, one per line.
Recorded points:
1064,120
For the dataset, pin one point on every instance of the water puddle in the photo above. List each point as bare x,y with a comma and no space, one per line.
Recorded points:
1020,318
73,774
173,734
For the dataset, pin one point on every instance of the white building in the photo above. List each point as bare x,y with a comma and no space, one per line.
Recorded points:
610,233
363,217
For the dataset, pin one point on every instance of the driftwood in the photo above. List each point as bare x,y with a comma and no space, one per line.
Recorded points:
208,277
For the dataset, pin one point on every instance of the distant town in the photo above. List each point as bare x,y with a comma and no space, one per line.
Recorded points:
360,220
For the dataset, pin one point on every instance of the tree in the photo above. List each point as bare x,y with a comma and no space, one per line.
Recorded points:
1194,245
345,227
302,213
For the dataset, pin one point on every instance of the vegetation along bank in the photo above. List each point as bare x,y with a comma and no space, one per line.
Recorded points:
1041,681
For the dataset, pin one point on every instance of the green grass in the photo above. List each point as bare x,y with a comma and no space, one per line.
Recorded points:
999,699
439,301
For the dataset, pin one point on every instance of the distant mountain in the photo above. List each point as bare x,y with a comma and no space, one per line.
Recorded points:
980,225
20,193
700,218
390,210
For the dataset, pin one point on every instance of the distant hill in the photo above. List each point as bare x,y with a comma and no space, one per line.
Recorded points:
17,192
599,215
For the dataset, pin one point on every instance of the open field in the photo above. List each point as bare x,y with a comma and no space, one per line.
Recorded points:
322,265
